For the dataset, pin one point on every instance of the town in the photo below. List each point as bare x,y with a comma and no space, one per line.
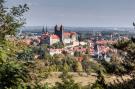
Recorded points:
85,44
97,45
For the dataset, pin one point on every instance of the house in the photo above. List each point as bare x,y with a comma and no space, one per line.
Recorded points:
55,51
83,50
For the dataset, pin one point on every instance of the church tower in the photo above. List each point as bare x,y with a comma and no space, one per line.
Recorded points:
43,30
62,33
59,31
46,29
55,29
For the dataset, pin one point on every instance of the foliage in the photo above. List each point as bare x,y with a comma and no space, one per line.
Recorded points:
125,85
100,83
113,68
11,19
58,45
122,44
67,82
127,50
12,74
77,54
26,55
78,66
39,86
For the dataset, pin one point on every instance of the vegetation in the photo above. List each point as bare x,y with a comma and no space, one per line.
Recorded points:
77,54
67,82
11,18
12,72
58,45
19,69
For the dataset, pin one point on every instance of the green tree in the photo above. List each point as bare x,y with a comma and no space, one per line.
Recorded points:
11,18
77,54
67,82
58,45
79,67
26,55
66,67
12,73
100,83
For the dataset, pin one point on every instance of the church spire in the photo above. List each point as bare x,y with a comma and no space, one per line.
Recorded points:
46,29
43,30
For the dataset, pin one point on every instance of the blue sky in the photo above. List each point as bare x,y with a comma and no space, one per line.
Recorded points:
89,13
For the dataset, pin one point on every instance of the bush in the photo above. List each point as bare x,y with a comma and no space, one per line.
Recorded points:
12,74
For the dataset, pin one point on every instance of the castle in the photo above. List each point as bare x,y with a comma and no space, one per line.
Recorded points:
59,35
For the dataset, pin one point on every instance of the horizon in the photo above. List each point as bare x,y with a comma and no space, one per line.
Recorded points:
79,26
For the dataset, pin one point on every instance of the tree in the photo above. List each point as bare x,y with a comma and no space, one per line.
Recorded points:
126,49
100,83
58,45
26,55
12,73
79,67
67,82
11,18
66,67
77,54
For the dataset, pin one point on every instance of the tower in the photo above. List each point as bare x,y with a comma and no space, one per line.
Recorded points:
55,29
59,31
96,48
46,29
43,30
62,33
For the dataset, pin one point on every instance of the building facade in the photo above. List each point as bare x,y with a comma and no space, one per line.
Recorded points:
59,36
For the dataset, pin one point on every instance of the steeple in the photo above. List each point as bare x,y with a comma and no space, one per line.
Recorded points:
43,30
46,29
55,28
61,28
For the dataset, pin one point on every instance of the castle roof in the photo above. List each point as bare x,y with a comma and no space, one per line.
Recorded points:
54,36
69,33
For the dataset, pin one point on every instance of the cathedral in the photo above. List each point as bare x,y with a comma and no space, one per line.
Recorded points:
59,35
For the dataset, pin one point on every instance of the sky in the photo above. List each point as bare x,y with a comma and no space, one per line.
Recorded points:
82,13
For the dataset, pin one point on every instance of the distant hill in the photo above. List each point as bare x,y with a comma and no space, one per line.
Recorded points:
76,29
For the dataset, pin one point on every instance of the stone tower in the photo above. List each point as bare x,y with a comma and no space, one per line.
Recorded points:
43,30
59,31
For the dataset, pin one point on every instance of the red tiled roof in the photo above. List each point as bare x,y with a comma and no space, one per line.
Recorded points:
55,36
27,41
69,33
104,49
73,33
105,42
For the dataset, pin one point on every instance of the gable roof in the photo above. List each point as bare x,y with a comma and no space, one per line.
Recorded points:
54,36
